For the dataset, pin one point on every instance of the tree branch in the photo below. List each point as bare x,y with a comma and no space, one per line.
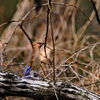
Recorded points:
38,88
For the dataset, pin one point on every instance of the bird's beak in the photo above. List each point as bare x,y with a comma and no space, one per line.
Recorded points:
40,44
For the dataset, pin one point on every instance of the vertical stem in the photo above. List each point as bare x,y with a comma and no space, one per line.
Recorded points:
97,15
52,34
46,32
49,12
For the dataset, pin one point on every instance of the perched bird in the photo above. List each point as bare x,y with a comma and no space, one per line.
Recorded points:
35,61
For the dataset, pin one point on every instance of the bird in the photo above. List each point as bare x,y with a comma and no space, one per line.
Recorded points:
35,60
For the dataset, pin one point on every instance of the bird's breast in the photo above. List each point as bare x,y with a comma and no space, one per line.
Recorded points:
36,61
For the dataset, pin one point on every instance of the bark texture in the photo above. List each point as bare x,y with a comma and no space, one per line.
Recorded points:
41,89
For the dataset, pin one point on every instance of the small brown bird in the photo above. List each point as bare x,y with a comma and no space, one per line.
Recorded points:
35,61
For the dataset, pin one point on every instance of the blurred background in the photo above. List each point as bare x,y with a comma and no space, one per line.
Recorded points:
76,36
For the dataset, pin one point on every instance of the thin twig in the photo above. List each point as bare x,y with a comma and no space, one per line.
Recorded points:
52,35
75,74
97,15
46,32
77,53
63,4
26,35
27,14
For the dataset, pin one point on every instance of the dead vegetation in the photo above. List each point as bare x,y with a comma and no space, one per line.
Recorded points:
71,34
